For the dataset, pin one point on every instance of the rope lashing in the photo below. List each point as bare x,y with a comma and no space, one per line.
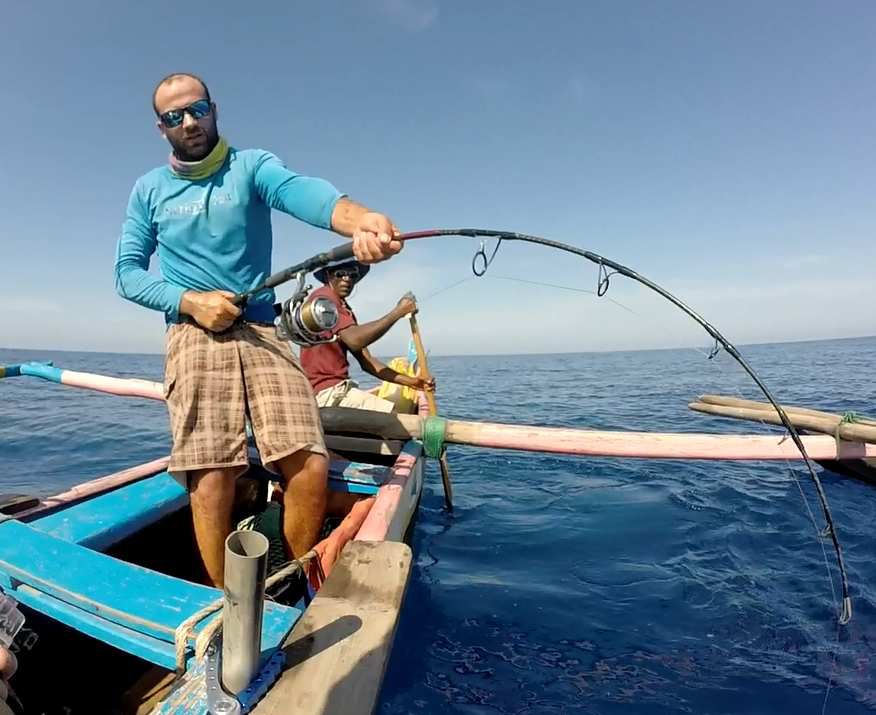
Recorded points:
185,631
434,429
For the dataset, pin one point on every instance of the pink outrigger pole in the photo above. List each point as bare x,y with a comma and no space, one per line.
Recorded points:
376,518
120,386
381,517
532,438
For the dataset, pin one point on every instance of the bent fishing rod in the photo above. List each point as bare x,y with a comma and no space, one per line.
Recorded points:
606,269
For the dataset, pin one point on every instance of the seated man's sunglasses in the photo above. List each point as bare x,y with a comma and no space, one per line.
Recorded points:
346,273
197,110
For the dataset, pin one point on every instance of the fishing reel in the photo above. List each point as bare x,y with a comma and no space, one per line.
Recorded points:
304,322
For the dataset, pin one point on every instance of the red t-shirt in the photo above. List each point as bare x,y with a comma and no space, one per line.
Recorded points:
326,365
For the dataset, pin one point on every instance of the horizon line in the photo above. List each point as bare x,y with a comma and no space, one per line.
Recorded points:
526,354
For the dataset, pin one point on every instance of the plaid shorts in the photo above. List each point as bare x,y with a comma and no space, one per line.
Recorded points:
214,381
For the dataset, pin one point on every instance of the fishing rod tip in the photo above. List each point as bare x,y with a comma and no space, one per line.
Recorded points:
846,615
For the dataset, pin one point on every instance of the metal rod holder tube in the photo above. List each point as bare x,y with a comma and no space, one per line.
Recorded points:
246,559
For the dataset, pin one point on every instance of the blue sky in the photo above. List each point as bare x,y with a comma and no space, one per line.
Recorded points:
723,149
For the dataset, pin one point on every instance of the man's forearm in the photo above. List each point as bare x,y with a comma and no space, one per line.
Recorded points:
399,379
346,216
387,374
357,337
139,286
383,372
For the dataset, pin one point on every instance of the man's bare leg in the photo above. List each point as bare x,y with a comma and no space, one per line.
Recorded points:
340,503
304,499
212,499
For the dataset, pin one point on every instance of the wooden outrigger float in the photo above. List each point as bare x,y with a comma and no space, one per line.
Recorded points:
844,428
106,572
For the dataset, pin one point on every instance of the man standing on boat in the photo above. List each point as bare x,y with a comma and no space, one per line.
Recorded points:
207,212
327,366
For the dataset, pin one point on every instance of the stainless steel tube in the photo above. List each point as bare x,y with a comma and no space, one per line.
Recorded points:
246,559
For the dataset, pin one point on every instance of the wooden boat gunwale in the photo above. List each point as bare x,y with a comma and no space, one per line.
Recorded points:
396,490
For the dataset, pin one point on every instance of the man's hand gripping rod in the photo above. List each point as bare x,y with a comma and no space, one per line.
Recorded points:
303,322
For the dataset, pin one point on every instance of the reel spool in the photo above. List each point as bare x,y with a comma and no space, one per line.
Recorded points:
306,323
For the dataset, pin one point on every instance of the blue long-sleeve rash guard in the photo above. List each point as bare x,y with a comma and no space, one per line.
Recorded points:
213,233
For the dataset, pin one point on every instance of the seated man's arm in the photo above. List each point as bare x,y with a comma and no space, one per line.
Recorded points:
373,366
359,337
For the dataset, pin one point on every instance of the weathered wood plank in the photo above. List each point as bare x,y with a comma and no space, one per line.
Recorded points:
96,486
832,424
152,687
397,500
363,445
338,651
105,520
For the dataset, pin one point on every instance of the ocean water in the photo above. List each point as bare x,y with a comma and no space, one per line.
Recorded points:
570,585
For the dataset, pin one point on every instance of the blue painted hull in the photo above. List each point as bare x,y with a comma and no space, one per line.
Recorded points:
104,583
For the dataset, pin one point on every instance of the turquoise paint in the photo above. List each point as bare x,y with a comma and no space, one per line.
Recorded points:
360,473
154,650
105,520
340,485
15,370
43,370
115,601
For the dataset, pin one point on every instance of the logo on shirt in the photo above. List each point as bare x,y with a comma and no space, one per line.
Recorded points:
193,208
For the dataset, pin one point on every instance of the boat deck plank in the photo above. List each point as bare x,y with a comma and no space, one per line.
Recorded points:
128,606
105,520
337,653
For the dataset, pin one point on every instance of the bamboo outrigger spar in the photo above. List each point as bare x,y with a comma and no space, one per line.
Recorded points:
531,438
849,427
843,429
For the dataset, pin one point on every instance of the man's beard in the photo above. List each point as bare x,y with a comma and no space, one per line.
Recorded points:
196,145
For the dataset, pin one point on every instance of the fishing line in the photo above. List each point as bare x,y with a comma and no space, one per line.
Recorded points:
805,499
561,287
835,646
606,270
526,281
480,263
790,470
603,281
429,297
480,260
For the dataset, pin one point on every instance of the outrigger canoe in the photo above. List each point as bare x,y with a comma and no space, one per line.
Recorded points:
106,572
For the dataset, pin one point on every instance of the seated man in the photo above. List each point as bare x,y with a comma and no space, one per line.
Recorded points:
326,365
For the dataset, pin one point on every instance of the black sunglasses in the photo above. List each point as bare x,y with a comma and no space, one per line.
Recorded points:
196,110
346,273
